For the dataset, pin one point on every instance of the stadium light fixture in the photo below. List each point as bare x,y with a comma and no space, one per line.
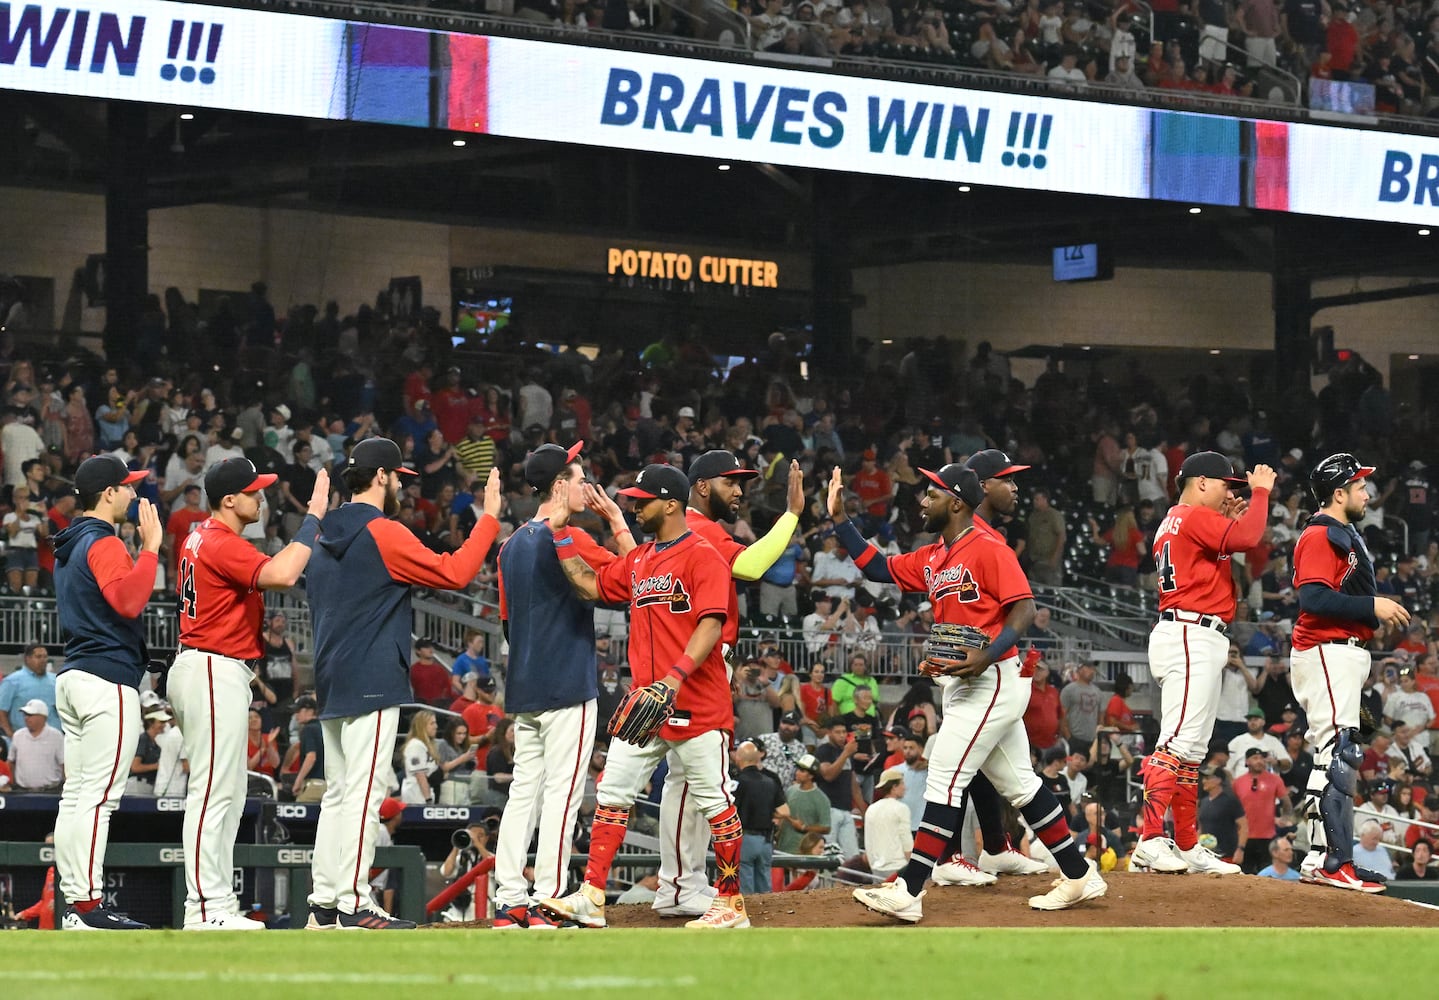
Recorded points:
1195,210
458,143
1413,357
964,189
1214,350
1423,232
723,166
187,117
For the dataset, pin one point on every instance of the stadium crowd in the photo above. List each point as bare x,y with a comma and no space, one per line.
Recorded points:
1236,48
295,392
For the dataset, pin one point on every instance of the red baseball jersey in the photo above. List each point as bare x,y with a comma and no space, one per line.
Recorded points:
221,604
1192,549
729,550
671,587
970,581
1317,560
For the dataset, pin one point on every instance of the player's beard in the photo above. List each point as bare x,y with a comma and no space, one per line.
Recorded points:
1354,512
935,520
392,496
650,519
721,511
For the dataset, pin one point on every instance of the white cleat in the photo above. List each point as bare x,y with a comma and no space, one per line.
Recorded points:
893,900
1313,861
1202,861
959,870
579,906
1010,862
1158,854
725,913
225,922
1069,892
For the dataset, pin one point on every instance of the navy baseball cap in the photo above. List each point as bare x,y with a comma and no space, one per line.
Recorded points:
100,472
378,453
235,475
548,461
993,464
716,464
958,480
1209,465
659,482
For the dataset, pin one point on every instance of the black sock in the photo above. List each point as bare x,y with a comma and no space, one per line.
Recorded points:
931,841
1045,817
988,811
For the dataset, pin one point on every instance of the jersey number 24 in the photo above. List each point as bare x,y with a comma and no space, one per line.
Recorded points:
1167,581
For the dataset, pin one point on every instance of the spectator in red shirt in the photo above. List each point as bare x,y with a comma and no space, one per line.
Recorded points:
485,712
261,753
429,678
1259,790
60,515
451,406
1342,42
875,490
1117,713
814,698
181,521
1044,719
417,386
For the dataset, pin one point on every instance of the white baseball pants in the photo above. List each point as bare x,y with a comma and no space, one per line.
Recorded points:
552,757
1187,661
705,760
983,729
101,721
211,698
357,755
684,843
1327,680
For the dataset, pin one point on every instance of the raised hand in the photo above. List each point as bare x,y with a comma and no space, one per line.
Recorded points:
494,499
1262,478
320,495
795,489
836,494
152,533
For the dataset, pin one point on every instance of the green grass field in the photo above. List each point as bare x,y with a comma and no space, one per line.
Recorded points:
750,964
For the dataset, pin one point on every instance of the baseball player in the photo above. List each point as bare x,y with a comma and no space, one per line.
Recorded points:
1188,648
995,472
971,578
551,687
358,586
100,595
680,708
221,580
1338,613
716,487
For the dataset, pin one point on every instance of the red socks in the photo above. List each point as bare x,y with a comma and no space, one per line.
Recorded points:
727,836
606,836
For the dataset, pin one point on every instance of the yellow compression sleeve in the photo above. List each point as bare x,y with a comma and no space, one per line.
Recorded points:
754,561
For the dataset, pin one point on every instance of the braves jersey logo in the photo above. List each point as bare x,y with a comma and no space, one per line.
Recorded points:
664,589
956,581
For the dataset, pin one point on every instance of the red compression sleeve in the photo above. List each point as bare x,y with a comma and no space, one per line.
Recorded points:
126,585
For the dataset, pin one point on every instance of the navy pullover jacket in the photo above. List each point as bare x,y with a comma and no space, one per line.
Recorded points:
101,595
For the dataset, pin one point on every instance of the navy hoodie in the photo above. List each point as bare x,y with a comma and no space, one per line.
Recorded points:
358,585
99,637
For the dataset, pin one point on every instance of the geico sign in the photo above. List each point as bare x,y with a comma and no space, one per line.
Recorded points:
290,811
293,856
172,854
170,805
443,812
47,855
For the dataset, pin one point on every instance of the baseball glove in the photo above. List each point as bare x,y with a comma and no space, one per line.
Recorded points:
642,713
1368,725
948,645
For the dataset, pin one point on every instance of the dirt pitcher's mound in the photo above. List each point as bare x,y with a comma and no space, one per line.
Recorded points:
1133,900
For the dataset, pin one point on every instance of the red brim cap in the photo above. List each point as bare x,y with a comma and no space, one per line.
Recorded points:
1010,470
574,450
1363,473
139,477
637,492
262,482
934,478
401,470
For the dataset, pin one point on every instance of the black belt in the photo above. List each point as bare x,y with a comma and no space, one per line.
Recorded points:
1192,618
252,664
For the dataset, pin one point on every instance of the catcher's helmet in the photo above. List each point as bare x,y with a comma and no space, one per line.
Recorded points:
1336,471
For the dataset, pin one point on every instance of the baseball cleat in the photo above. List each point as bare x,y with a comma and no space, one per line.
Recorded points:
1346,877
537,919
688,912
511,918
322,918
580,906
725,913
959,870
372,919
1010,862
1068,892
1202,861
893,900
1312,862
226,922
100,919
1157,854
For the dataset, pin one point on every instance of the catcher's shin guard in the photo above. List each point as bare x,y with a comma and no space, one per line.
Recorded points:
1336,804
